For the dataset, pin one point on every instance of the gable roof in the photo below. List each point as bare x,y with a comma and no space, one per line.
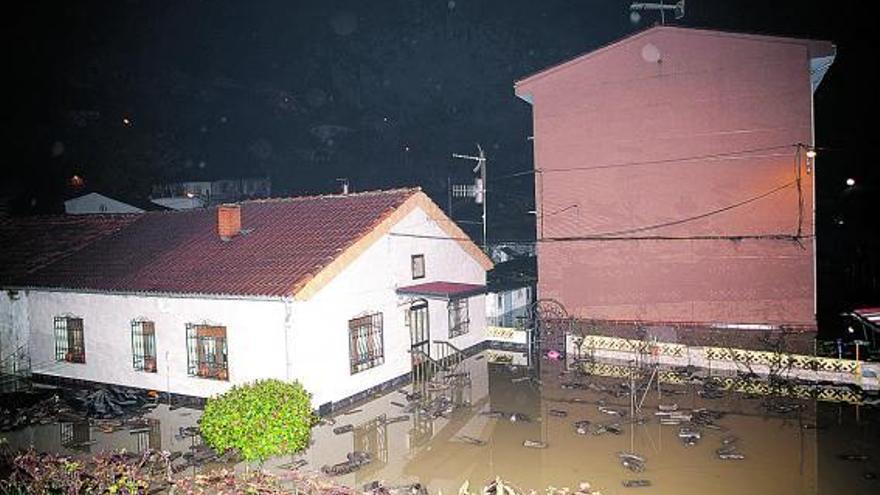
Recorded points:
821,53
30,243
288,247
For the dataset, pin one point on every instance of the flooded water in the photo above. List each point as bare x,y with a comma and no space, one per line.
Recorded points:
476,428
791,450
160,429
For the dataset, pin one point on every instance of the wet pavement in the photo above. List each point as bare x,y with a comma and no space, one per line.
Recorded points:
551,426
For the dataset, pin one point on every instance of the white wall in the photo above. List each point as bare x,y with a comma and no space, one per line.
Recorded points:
13,321
97,203
320,345
254,333
503,307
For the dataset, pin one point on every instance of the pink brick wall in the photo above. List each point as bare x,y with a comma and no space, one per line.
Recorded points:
708,94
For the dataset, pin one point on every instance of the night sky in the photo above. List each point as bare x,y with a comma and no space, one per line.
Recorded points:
131,93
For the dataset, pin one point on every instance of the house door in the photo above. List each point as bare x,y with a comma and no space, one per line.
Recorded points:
419,332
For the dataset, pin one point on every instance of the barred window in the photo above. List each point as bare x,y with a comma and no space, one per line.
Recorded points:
70,342
143,345
459,319
366,349
206,351
418,266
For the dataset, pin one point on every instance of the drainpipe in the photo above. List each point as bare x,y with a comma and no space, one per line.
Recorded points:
288,325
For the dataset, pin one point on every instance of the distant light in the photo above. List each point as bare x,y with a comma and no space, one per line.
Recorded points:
406,148
190,195
77,181
850,182
850,329
126,121
811,154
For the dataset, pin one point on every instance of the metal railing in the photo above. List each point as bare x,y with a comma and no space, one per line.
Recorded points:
447,354
424,367
15,370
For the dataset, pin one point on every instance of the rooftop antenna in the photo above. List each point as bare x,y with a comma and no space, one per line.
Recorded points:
478,190
636,7
344,182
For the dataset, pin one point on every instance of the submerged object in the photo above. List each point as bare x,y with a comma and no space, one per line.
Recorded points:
667,407
582,427
339,430
472,440
558,413
534,444
636,483
611,412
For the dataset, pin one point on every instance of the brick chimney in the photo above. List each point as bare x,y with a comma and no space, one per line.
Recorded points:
228,221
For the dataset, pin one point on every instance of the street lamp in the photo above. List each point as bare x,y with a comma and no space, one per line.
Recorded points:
850,182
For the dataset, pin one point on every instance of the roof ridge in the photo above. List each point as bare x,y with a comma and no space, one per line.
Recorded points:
374,192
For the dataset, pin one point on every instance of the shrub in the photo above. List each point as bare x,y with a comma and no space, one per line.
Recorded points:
260,420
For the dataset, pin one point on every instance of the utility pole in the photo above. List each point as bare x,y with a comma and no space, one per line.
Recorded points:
479,189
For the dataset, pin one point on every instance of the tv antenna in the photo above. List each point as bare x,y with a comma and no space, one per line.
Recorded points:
636,8
478,189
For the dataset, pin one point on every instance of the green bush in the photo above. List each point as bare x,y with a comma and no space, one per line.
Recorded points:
260,420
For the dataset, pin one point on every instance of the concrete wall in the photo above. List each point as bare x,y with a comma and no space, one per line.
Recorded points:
254,332
660,97
320,349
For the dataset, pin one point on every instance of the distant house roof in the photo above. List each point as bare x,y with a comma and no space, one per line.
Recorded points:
30,243
821,53
287,247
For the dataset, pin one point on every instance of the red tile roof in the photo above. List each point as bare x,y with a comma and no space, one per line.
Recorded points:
30,243
443,290
284,243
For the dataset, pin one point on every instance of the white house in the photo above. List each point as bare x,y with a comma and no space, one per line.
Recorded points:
334,291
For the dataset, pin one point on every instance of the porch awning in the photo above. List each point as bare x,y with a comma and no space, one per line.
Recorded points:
442,290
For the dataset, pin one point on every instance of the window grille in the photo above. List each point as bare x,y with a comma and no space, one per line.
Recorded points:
418,266
206,351
143,346
69,340
459,319
366,348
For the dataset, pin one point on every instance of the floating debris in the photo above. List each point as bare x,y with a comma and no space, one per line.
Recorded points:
667,407
353,411
613,428
582,427
729,439
632,462
689,436
534,444
354,461
472,440
558,413
339,430
520,417
398,404
493,414
611,412
520,379
636,483
293,466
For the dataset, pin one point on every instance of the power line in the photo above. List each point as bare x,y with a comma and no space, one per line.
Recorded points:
624,234
669,160
695,217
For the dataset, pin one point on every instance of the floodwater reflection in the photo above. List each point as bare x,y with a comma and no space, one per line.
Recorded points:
476,430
